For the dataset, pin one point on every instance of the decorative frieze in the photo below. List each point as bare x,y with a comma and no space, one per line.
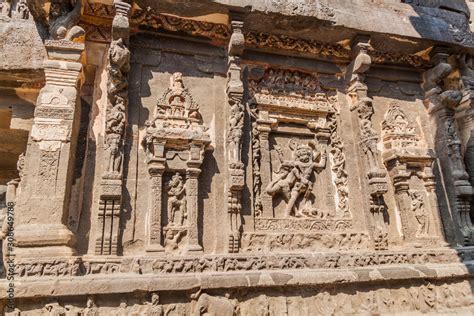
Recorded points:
150,18
303,242
420,297
317,223
340,256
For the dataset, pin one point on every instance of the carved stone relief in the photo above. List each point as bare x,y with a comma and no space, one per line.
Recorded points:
235,132
410,166
442,104
297,155
118,67
422,297
175,141
16,10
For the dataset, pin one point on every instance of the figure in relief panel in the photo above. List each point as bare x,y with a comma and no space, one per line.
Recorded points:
421,215
294,178
177,201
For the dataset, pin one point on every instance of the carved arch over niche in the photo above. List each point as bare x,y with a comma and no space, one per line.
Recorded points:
300,183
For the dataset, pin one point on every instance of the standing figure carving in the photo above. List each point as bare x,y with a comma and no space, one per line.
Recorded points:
177,201
236,124
294,178
118,68
420,213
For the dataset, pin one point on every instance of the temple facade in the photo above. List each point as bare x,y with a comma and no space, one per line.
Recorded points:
236,157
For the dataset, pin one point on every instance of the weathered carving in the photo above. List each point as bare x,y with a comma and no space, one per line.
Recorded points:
117,102
466,69
419,210
266,40
150,18
311,47
256,186
399,131
294,178
177,212
296,242
61,18
320,221
338,166
210,305
176,129
409,162
91,308
99,9
119,65
16,9
441,104
368,142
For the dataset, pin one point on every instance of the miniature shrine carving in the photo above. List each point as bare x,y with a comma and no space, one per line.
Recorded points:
175,141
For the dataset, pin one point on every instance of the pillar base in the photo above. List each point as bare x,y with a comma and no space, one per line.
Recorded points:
155,248
43,240
194,248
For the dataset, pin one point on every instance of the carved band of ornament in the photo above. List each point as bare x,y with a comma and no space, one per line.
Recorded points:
291,90
57,113
310,225
61,77
265,40
149,18
297,242
97,9
198,264
96,33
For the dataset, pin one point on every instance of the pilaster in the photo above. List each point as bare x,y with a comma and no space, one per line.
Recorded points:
44,193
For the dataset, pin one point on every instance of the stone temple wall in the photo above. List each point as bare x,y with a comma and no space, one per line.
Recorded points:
167,157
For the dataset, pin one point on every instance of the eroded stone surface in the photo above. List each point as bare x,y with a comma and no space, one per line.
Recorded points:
236,157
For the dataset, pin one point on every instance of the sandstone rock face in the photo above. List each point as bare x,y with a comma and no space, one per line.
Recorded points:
236,157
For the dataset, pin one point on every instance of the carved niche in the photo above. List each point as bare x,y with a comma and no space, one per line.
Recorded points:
409,163
175,141
299,176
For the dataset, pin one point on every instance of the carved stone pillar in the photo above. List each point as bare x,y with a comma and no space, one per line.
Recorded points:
265,165
236,174
110,203
441,105
362,105
156,168
430,185
41,212
192,178
400,182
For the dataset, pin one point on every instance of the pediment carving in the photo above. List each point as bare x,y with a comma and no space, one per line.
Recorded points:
177,120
